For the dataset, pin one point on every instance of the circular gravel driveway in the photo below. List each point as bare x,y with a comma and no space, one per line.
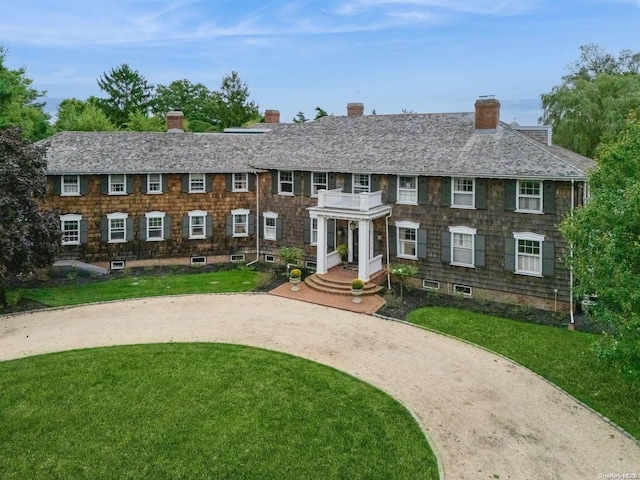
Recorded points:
485,416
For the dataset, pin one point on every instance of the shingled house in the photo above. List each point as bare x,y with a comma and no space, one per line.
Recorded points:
473,202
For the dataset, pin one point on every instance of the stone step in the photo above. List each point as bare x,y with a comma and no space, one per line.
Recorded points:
338,286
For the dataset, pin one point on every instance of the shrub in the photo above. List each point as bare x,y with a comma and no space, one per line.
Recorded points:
357,284
295,273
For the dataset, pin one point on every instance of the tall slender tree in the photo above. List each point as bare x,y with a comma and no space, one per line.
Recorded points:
232,105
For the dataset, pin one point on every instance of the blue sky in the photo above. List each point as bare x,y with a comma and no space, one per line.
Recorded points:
391,55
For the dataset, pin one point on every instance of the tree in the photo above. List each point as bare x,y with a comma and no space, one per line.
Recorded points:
594,100
18,103
139,122
29,235
127,91
194,100
300,118
320,113
232,105
76,115
605,236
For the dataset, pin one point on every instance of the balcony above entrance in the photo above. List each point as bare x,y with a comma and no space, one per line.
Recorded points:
337,199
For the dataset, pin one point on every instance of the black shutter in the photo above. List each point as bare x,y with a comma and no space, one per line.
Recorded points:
129,227
251,219
104,230
297,183
423,190
331,234
392,188
185,226
104,184
167,227
445,191
208,226
143,228
481,193
348,183
274,182
164,180
84,231
57,184
84,185
229,181
375,183
185,183
393,241
510,254
548,259
306,177
422,244
279,229
331,178
445,247
549,197
208,182
306,230
510,196
251,181
479,251
229,226
129,183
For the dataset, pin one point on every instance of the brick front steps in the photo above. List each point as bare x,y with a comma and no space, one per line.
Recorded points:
338,282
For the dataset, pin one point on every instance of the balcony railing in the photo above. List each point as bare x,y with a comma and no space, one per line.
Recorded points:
362,202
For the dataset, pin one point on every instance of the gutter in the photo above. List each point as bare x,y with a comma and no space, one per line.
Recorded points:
572,324
386,221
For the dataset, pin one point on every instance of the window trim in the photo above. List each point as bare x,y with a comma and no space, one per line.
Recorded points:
204,183
359,185
153,215
197,213
315,184
240,211
528,236
282,182
540,197
462,230
407,225
149,182
111,184
70,217
454,180
245,182
117,216
77,184
268,216
400,189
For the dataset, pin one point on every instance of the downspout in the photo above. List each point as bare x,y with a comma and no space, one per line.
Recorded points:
386,234
257,220
572,321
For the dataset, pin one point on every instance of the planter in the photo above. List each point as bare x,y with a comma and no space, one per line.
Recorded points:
356,292
294,281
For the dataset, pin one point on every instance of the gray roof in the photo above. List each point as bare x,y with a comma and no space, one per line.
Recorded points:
415,144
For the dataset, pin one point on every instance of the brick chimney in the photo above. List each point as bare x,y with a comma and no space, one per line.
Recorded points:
175,121
272,116
355,109
487,113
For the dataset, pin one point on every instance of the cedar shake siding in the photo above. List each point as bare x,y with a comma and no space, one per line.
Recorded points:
473,202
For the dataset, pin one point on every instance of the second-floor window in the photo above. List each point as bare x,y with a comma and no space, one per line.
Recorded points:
462,192
197,183
154,183
407,190
285,182
529,196
70,185
361,183
318,182
240,182
117,184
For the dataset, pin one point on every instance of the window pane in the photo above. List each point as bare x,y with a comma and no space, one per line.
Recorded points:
70,184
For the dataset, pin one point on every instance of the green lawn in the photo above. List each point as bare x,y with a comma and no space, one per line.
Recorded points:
144,286
557,354
191,411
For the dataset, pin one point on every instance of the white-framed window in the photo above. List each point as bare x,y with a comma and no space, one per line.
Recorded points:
117,227
408,190
462,246
198,260
528,253
464,290
117,184
319,181
240,182
197,183
70,185
361,183
285,182
430,284
197,224
463,192
240,222
70,228
155,226
270,225
154,183
407,239
237,257
314,231
269,258
529,196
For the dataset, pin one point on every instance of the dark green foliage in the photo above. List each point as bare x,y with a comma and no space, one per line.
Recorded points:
195,101
232,105
29,235
76,115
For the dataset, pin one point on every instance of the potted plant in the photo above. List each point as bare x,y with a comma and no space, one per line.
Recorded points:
343,251
294,278
356,289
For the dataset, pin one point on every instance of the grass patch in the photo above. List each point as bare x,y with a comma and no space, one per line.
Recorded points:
200,411
144,286
559,355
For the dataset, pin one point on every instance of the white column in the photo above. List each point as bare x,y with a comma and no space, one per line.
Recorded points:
363,249
321,246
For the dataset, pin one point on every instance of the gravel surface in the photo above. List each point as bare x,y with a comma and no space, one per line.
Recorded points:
485,416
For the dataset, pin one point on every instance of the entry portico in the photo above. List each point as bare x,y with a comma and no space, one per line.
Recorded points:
360,210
